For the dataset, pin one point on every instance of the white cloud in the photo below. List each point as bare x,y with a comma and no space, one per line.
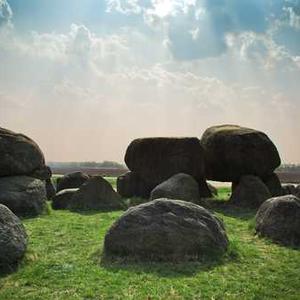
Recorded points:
293,18
100,91
124,6
159,8
202,26
261,50
5,12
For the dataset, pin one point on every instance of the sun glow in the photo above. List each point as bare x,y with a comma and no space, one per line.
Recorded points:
163,8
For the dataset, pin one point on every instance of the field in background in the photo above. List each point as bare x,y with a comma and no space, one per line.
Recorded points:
110,172
289,177
64,262
285,177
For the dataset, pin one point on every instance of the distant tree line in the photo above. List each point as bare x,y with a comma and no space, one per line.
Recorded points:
87,164
115,165
289,168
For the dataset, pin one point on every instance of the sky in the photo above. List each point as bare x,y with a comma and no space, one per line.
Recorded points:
85,77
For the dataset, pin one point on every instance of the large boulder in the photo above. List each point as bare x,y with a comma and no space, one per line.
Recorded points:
157,159
23,195
180,187
165,229
20,155
71,181
96,194
63,198
273,184
250,192
132,185
279,219
13,240
232,151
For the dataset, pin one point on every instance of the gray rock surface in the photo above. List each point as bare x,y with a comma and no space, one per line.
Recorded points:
62,199
179,187
273,184
232,151
23,195
13,240
132,185
96,194
71,181
50,189
157,159
165,229
43,173
279,219
19,154
250,192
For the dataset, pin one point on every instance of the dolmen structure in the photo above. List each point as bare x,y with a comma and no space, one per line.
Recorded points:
170,173
162,169
151,161
227,153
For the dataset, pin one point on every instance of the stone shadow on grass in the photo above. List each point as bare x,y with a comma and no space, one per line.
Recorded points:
91,212
227,209
170,269
125,202
164,269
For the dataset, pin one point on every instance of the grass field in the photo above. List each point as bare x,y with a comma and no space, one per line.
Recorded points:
64,262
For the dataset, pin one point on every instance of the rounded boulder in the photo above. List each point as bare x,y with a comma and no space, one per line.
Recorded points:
23,195
232,151
19,154
250,192
279,219
62,199
180,187
96,194
13,240
165,230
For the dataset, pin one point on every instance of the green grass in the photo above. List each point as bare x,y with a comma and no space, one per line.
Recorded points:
223,193
112,181
64,262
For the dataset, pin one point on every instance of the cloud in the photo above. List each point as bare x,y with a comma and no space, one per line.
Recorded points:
124,6
119,106
260,50
196,64
5,13
292,13
286,28
198,29
213,20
